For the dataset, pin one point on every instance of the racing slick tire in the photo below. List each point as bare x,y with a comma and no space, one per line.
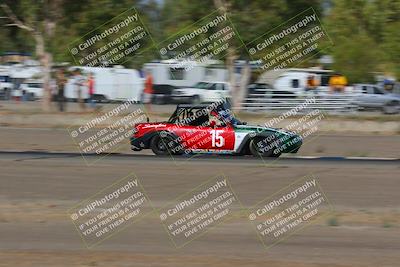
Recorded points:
165,144
264,147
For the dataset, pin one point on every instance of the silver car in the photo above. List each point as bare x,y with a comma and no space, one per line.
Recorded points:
370,96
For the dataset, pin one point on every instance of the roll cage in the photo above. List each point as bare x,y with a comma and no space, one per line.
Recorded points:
199,115
190,115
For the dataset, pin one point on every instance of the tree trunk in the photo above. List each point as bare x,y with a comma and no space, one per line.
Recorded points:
45,60
230,65
244,81
238,91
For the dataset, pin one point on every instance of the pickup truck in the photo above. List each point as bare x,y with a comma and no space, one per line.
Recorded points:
202,92
374,97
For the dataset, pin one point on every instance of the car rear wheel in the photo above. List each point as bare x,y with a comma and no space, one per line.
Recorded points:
164,144
159,101
264,147
392,107
196,99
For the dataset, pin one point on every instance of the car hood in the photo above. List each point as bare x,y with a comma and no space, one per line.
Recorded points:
186,88
260,129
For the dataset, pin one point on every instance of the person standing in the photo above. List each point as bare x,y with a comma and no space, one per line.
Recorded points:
311,84
148,91
90,81
17,93
337,83
61,82
78,83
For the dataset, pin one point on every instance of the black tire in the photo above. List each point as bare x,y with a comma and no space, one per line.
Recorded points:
392,107
31,97
165,144
196,100
158,101
264,147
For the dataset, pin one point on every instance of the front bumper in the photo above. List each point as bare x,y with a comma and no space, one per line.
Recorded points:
141,142
137,144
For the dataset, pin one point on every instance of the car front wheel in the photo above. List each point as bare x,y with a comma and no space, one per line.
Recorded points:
164,144
264,147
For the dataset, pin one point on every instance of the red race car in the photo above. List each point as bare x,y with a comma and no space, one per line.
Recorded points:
211,129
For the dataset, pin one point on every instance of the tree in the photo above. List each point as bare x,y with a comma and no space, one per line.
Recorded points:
40,21
391,41
366,37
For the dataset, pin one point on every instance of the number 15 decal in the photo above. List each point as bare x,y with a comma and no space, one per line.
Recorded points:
217,139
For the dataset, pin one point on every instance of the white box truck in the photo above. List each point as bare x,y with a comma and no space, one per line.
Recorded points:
110,84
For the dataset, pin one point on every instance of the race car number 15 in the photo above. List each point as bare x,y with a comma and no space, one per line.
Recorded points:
216,139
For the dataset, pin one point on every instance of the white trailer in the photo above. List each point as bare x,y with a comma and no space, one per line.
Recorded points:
110,84
186,73
295,80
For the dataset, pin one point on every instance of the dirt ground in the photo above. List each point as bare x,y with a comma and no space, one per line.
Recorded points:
36,193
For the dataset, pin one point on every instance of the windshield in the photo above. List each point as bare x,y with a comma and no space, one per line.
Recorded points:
35,85
190,116
4,79
201,85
